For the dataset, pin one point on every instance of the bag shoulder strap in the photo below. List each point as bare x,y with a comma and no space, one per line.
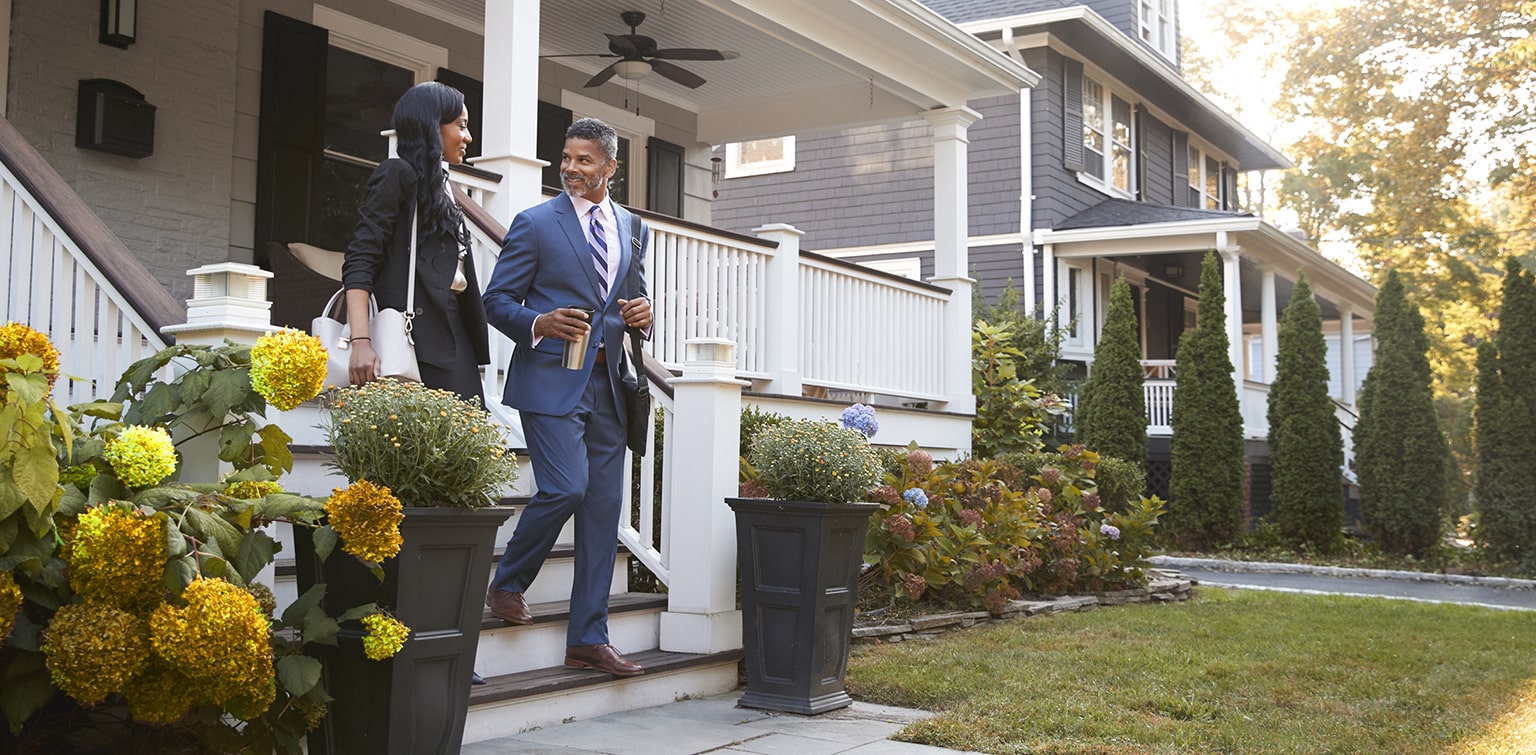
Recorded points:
410,280
634,291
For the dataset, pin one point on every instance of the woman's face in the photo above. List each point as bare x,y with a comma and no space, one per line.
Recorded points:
456,138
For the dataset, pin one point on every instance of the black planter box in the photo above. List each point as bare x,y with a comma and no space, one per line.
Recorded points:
798,563
416,702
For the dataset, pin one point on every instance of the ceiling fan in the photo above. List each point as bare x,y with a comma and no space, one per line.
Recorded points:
638,55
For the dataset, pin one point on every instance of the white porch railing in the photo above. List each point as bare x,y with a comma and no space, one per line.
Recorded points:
706,284
1158,397
52,285
1255,407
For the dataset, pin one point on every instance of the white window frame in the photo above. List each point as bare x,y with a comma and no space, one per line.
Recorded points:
1198,176
906,267
1157,22
1075,302
381,43
1109,137
735,169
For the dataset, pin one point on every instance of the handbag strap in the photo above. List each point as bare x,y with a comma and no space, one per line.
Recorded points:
635,336
410,280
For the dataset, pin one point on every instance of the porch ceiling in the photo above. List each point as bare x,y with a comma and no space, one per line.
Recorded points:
805,64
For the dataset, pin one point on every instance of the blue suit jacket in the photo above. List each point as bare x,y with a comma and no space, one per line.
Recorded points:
546,264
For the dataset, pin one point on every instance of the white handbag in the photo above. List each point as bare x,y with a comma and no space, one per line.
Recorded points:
389,331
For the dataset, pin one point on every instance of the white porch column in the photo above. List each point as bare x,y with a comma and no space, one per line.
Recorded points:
1269,328
783,306
1347,354
1142,326
701,615
1048,303
1232,287
509,126
951,236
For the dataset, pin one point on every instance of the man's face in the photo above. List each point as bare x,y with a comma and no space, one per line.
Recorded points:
585,170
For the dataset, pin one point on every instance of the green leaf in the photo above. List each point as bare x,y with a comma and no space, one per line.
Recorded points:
36,473
213,566
27,688
318,627
297,673
256,551
274,447
214,528
294,615
141,372
29,388
164,497
176,542
179,572
235,440
112,410
284,505
11,497
161,401
357,612
9,527
194,383
105,487
325,541
228,388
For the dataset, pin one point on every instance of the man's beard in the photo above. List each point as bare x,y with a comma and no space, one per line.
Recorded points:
586,184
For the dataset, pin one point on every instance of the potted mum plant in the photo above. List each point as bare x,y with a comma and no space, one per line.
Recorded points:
446,461
798,557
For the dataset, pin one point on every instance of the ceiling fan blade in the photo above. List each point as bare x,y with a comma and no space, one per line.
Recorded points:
603,75
694,53
580,55
677,73
622,44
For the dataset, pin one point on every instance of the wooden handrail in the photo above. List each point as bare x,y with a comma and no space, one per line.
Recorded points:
128,275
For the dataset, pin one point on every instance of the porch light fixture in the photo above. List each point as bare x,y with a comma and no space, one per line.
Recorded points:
119,22
1173,271
629,70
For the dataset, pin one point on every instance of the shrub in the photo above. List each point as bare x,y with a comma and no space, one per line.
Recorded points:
1306,452
1506,426
1120,483
1035,343
1112,412
804,460
1011,413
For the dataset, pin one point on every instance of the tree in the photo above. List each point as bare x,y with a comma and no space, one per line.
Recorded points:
1306,450
1205,490
1506,426
1112,413
1400,453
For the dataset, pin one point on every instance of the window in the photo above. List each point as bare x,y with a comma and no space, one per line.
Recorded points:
1107,136
1158,29
1205,184
759,157
360,94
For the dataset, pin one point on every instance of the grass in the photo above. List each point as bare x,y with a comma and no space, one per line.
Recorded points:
1241,672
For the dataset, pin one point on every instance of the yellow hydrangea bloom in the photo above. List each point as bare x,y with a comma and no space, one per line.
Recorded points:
159,694
288,367
368,518
221,643
248,489
116,556
386,635
93,650
17,339
141,456
10,603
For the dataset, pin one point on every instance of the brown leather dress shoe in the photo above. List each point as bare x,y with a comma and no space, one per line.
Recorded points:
604,658
509,607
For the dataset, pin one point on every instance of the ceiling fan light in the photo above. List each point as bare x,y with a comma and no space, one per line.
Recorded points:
630,70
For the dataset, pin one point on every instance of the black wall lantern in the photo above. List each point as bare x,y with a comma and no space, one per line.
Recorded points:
119,22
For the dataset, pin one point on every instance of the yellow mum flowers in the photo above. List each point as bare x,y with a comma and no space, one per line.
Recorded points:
288,367
368,518
386,635
141,456
17,339
116,555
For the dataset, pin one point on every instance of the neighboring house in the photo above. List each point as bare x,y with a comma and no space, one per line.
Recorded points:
1113,165
212,134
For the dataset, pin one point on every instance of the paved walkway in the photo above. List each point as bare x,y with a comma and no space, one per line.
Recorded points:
1491,592
715,724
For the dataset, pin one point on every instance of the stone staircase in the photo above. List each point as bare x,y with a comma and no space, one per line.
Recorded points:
528,686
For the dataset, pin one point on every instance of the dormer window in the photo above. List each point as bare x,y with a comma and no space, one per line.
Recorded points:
1158,30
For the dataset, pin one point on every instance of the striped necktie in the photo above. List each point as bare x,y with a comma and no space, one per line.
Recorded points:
600,251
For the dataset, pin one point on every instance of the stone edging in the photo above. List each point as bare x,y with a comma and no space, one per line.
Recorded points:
1166,586
1268,567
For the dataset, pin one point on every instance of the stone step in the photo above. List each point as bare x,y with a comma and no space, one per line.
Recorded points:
634,625
513,703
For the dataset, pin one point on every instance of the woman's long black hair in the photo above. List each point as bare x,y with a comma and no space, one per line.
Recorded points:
419,116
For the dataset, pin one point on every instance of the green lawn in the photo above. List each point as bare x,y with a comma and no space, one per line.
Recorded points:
1249,672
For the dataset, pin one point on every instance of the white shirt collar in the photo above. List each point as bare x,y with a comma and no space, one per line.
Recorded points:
583,206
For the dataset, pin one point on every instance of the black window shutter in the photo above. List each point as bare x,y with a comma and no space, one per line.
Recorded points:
1180,169
664,177
1139,154
291,136
1228,187
474,100
1072,114
550,140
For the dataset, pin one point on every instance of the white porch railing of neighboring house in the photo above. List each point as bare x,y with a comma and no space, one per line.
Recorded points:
1255,408
68,277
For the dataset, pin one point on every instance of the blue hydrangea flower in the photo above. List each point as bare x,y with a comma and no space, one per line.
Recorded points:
916,497
1110,530
862,418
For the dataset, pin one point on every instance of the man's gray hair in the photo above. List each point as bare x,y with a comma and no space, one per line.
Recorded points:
597,132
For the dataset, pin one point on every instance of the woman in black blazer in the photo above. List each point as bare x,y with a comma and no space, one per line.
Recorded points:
432,129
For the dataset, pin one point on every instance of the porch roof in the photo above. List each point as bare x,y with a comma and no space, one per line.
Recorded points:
1084,30
804,65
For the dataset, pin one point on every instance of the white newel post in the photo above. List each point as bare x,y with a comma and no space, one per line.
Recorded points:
951,235
782,290
701,615
509,126
1269,319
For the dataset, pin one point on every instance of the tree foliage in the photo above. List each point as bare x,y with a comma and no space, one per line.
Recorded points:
1306,450
1035,342
1506,426
1206,487
1112,413
1400,453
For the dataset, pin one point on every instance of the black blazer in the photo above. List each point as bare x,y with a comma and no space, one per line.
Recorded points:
379,259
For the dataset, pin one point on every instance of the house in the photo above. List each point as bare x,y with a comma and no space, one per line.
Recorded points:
141,141
1113,165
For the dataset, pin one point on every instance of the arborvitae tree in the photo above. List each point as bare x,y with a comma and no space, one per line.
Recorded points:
1306,450
1400,453
1112,415
1205,492
1506,426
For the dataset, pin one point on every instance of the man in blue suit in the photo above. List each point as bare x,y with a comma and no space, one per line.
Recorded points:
571,251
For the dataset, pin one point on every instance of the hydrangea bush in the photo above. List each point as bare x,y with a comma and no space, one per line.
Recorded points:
128,606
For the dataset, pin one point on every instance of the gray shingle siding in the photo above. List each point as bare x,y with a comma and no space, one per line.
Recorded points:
1119,13
992,266
962,11
1155,143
